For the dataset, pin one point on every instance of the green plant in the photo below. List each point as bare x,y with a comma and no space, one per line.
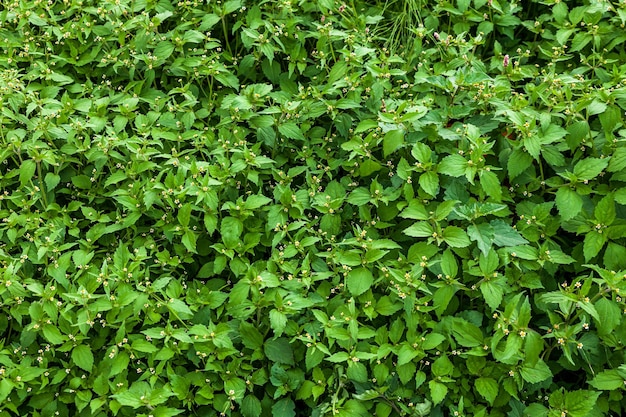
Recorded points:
312,208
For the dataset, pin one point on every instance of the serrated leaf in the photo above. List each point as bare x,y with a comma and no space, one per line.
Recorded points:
607,380
589,168
483,235
27,171
359,280
593,244
492,293
568,202
518,162
490,184
291,131
393,140
453,165
505,235
429,181
438,391
537,373
284,408
488,388
455,237
83,357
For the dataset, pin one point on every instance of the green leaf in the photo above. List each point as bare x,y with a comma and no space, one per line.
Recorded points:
518,162
81,181
442,366
255,201
537,373
392,141
231,229
432,340
52,180
83,357
483,234
278,321
181,310
579,403
429,181
184,214
189,240
488,388
27,171
490,184
291,131
163,50
492,292
604,211
279,351
455,237
251,406
593,244
438,391
568,202
607,380
419,229
284,408
505,235
610,314
618,160
53,335
589,168
453,165
359,280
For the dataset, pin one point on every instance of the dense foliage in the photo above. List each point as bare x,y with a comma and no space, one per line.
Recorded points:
312,208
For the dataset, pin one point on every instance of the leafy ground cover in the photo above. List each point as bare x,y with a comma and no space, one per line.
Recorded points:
292,208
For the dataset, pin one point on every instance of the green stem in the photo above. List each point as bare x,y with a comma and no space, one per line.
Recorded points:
225,31
41,186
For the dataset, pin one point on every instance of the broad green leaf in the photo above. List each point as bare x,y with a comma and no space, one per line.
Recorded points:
488,388
453,165
255,201
604,211
607,380
284,408
184,215
27,171
393,140
359,280
537,373
593,243
518,162
492,292
291,131
505,235
442,366
455,237
429,181
438,391
618,160
163,50
231,229
83,357
589,168
610,316
419,229
490,184
279,351
251,406
483,234
579,403
568,202
52,180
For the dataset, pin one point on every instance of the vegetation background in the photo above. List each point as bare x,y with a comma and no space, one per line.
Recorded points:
294,208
